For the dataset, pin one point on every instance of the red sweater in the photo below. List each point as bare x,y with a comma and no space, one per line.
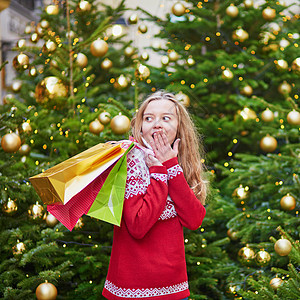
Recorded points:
148,258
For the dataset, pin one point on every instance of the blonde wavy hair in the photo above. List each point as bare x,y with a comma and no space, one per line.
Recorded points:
190,149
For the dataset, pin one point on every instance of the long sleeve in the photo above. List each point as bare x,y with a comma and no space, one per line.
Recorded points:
189,209
144,200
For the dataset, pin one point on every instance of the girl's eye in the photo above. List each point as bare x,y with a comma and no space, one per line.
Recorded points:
148,119
166,118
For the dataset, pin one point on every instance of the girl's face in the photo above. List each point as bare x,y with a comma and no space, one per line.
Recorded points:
160,115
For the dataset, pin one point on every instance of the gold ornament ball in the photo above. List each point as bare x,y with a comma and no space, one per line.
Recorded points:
104,117
232,234
44,24
34,37
16,85
248,4
49,90
288,202
267,115
81,60
120,124
262,258
10,142
46,291
26,127
227,75
241,193
284,88
190,61
96,127
268,144
129,51
269,13
293,117
281,65
51,221
21,62
283,247
10,207
247,90
52,10
296,66
28,29
142,28
276,282
142,72
84,5
121,82
32,71
246,256
106,64
164,60
19,248
133,19
178,9
232,11
36,212
156,45
145,56
24,149
21,43
173,55
183,98
99,48
49,46
240,35
247,113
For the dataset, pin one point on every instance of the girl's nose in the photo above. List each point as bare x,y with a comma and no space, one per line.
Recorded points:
157,124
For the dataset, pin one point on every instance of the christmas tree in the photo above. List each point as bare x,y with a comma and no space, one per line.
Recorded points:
236,65
75,87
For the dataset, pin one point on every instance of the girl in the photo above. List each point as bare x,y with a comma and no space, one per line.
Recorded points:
164,192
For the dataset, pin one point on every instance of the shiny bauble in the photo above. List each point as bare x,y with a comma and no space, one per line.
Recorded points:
10,142
276,282
293,117
34,38
36,212
81,60
96,127
247,90
156,45
104,117
7,97
247,114
120,124
49,46
129,51
52,10
9,207
21,43
281,65
46,291
142,72
19,248
133,19
24,150
269,13
232,234
262,258
227,75
268,144
51,221
142,28
21,62
121,82
106,64
99,48
183,99
28,29
32,71
44,24
145,56
240,35
246,256
241,193
248,4
284,88
267,115
26,127
296,66
283,43
283,247
84,5
164,60
288,202
178,9
173,55
190,61
16,85
51,92
232,11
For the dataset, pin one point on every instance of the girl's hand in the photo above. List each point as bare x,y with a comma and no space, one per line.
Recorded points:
161,147
152,161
